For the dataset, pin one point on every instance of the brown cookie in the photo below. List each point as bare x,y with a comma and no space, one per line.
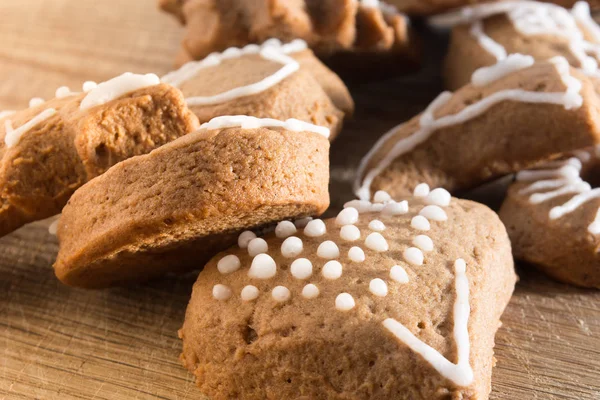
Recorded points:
512,117
50,149
385,303
268,81
337,30
486,34
430,7
173,209
551,214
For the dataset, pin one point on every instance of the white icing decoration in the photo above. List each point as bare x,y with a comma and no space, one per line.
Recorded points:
221,292
385,8
13,136
460,373
347,216
249,293
377,226
514,62
393,208
63,91
263,267
6,113
361,205
398,274
350,233
36,101
344,302
356,254
315,228
439,197
281,294
310,291
413,256
301,268
328,250
302,222
434,213
421,190
489,44
378,287
248,122
421,223
117,87
332,270
245,238
257,246
375,241
291,247
229,264
88,86
285,229
423,242
381,196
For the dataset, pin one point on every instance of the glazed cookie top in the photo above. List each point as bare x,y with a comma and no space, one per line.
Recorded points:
386,264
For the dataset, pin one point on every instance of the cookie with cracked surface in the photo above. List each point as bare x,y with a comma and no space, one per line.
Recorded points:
380,302
174,208
50,149
513,116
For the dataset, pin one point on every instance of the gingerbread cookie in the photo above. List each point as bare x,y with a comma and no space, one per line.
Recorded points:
513,115
430,7
381,302
553,219
265,82
173,209
50,149
486,34
335,29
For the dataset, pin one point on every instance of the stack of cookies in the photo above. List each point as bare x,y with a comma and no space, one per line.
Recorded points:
223,166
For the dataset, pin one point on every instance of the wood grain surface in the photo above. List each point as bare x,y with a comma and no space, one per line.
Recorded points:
63,343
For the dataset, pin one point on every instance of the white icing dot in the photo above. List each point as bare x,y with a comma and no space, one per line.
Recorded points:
422,190
347,216
302,222
393,208
434,213
378,287
350,233
360,205
328,250
375,241
221,292
398,274
344,302
229,264
285,229
356,254
413,256
460,266
423,242
421,223
381,196
291,247
62,91
301,268
263,267
377,207
249,293
257,246
376,225
281,294
36,101
439,197
315,228
332,270
310,291
89,85
245,238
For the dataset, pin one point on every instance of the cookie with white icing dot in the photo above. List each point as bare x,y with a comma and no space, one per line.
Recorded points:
552,214
173,209
53,147
517,118
395,321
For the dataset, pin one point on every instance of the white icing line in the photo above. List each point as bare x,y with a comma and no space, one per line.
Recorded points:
460,373
515,62
6,113
247,122
489,44
117,87
13,136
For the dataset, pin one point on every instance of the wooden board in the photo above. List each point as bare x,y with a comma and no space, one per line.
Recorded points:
62,343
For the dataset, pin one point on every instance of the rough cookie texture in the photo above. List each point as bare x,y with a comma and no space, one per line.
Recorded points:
318,332
173,209
57,155
482,42
430,7
566,246
478,134
309,94
329,27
